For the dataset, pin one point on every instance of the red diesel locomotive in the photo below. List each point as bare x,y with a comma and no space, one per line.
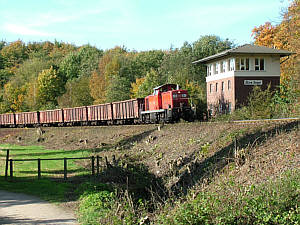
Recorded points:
168,103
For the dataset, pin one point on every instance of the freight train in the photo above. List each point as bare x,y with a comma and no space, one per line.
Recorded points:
168,103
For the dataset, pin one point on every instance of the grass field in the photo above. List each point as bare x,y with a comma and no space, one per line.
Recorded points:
52,168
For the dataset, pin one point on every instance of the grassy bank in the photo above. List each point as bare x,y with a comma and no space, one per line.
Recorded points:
185,173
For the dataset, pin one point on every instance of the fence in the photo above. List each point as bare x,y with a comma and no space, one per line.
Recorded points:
9,164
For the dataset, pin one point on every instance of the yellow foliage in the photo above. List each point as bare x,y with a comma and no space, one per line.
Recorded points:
135,87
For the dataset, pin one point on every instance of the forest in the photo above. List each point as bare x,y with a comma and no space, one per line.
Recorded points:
48,75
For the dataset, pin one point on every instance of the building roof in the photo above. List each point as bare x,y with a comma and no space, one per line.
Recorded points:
246,49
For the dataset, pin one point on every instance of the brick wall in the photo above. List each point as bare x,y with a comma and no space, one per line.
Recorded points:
236,95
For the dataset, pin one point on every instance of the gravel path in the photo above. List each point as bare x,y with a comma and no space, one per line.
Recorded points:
24,209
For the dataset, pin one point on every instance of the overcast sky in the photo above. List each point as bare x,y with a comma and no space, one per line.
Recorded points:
136,24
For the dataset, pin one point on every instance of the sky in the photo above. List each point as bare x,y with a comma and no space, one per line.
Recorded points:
136,24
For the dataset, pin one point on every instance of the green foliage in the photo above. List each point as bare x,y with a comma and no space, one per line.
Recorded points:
197,94
151,81
80,63
205,46
269,203
265,104
5,75
77,93
14,53
50,85
285,99
177,66
96,205
143,62
118,89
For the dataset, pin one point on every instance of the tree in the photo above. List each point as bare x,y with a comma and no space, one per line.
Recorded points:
50,85
285,35
206,46
77,93
14,54
80,63
13,98
118,89
150,81
98,87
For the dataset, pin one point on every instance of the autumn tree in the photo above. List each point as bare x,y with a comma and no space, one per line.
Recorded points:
97,85
285,35
13,98
50,85
14,54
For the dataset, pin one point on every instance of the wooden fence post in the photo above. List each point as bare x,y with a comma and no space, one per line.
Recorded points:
93,165
11,168
6,164
39,168
65,168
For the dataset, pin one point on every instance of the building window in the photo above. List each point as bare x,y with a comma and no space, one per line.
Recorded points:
210,88
209,70
217,68
216,87
259,64
242,63
229,84
223,67
231,65
222,87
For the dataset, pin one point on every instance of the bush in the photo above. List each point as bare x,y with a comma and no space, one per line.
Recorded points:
270,203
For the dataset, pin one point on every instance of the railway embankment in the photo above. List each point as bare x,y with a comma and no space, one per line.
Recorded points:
183,173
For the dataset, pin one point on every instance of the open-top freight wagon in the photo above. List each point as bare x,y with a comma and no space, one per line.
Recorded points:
168,103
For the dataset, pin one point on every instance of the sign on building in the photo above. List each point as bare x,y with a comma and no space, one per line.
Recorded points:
252,82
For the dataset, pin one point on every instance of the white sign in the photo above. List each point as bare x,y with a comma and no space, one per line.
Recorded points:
252,82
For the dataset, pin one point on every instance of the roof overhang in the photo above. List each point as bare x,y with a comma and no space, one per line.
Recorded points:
245,50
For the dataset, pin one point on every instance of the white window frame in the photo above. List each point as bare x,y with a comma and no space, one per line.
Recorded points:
244,64
257,67
209,70
223,66
232,64
217,68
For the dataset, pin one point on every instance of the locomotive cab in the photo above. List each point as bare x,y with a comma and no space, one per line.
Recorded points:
167,103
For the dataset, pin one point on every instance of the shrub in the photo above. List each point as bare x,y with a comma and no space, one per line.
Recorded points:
274,202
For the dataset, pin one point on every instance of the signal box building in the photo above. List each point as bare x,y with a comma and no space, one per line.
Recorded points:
232,74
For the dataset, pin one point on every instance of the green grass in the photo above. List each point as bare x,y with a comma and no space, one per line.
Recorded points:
53,168
44,188
25,173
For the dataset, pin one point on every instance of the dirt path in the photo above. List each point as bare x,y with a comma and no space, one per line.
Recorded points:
24,209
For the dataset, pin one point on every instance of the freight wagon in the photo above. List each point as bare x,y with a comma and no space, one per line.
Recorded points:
168,103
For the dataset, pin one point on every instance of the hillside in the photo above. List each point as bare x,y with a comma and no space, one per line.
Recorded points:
175,162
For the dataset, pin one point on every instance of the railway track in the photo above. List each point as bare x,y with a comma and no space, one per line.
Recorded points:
267,120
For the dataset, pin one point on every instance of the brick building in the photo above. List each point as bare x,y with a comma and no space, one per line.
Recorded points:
232,74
